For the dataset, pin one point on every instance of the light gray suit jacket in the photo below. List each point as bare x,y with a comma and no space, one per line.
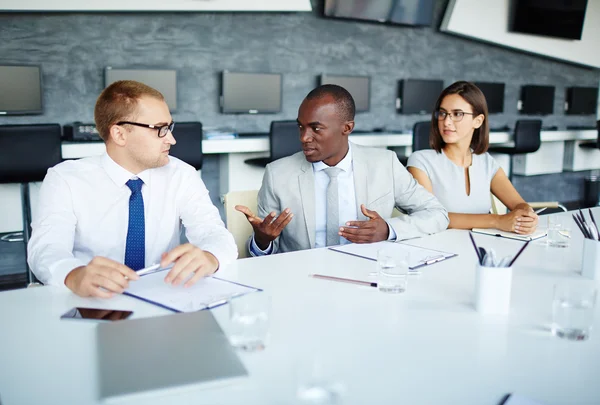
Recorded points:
380,181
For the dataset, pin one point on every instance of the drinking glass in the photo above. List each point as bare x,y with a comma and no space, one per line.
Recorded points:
559,231
573,311
392,266
249,316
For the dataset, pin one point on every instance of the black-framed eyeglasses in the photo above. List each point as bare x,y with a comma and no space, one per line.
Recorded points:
162,129
454,115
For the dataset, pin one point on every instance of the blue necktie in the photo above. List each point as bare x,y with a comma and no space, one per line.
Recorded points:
135,249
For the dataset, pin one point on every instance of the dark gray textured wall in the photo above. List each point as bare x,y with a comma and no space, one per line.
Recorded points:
74,48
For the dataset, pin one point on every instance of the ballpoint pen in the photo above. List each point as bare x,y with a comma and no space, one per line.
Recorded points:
345,280
149,270
540,210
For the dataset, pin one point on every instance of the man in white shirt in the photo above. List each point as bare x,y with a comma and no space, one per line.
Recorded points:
334,191
126,206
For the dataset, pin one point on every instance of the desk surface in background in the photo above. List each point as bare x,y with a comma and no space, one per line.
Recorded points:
427,346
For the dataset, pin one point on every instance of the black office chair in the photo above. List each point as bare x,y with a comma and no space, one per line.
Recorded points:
188,148
527,139
592,144
284,140
420,139
28,151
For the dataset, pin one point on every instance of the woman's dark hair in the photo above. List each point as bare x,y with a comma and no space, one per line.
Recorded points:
472,95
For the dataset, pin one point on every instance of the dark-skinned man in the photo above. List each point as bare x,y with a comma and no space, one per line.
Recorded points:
334,191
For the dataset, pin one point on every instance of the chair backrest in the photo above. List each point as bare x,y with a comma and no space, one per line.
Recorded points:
237,223
598,139
188,148
284,139
421,132
527,136
497,207
28,151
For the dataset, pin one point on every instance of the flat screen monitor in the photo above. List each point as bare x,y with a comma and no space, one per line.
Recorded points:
20,90
494,96
582,100
417,96
358,86
553,18
163,80
537,100
251,93
404,12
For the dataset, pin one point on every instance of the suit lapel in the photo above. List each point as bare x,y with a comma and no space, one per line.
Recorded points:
306,181
361,188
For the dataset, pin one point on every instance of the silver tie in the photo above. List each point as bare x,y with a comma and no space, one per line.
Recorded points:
333,209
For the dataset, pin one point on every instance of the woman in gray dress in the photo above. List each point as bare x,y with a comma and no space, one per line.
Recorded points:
460,172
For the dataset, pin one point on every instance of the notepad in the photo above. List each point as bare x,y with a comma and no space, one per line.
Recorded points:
207,293
419,256
511,235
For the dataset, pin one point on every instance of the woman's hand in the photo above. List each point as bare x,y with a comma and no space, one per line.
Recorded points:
522,220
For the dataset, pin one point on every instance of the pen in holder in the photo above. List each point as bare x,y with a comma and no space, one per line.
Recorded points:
492,289
590,261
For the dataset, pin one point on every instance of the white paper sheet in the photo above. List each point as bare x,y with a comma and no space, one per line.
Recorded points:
206,293
419,256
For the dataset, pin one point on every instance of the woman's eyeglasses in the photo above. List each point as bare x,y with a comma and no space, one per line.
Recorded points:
455,116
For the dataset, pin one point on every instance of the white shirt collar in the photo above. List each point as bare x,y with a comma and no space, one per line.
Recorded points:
345,164
119,174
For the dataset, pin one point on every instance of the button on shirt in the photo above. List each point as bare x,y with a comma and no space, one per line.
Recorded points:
348,210
84,207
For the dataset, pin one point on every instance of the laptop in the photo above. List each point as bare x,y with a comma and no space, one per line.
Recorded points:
149,355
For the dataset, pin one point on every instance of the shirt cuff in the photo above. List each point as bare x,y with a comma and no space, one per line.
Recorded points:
61,269
392,234
256,251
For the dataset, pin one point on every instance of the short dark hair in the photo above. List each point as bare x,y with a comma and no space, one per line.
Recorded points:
474,96
343,99
118,102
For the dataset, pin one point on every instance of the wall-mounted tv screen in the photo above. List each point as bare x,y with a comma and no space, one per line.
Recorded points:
494,96
582,100
417,96
251,93
358,86
536,100
163,80
405,12
553,18
20,90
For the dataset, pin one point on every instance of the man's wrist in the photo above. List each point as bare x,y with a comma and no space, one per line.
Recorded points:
70,276
262,243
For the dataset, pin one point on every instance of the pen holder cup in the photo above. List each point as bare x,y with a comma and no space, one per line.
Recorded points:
492,289
590,261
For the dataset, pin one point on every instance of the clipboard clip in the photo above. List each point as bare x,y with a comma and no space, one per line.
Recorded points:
432,259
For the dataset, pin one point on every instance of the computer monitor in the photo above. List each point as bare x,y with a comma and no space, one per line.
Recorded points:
20,90
494,96
417,96
163,80
251,93
582,100
358,86
536,100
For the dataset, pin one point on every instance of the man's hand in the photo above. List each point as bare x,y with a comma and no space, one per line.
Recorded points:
521,220
268,229
188,260
102,278
373,230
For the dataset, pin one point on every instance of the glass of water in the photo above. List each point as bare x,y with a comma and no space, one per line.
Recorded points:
392,267
249,316
559,231
573,311
316,382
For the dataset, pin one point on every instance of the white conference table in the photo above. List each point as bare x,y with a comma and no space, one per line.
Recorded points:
426,346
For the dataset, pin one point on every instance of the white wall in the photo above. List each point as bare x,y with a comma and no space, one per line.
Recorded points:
487,20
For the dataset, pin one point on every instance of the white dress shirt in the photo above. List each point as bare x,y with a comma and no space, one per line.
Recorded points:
84,212
347,203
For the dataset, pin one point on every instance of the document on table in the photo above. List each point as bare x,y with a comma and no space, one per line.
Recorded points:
419,256
207,293
540,233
